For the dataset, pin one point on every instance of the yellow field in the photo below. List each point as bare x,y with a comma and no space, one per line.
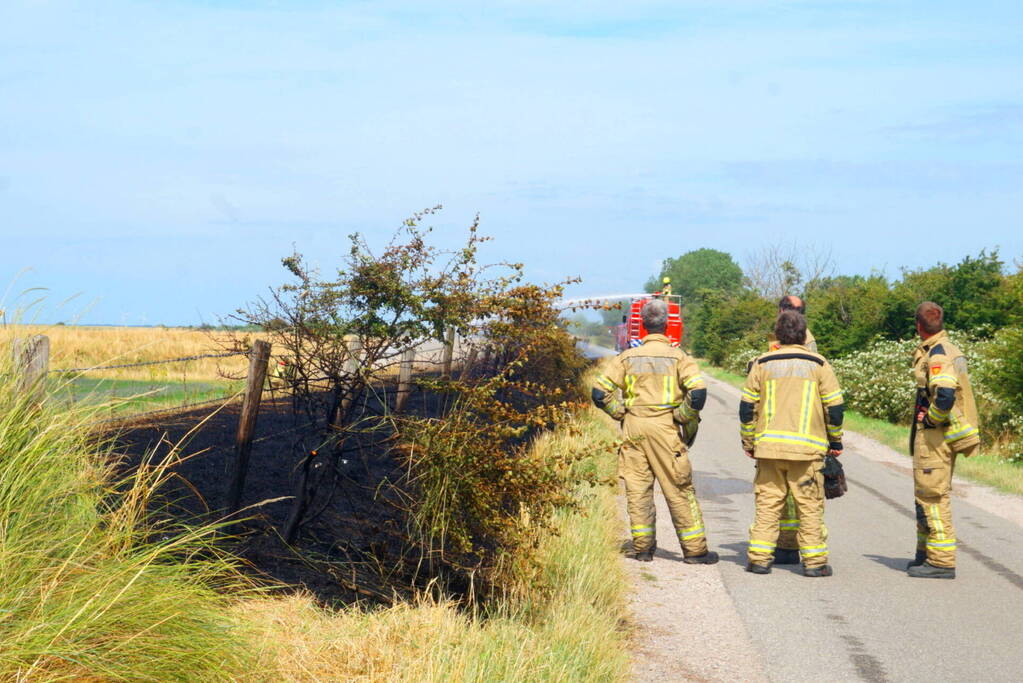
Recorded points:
96,347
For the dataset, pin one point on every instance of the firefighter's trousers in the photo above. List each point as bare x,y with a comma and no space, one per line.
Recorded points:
653,449
774,481
933,466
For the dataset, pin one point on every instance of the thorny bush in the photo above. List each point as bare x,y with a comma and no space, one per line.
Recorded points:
480,493
472,491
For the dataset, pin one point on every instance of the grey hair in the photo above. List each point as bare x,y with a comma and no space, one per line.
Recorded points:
655,316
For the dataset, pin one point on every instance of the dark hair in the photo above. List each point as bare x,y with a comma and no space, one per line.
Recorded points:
788,303
930,317
790,328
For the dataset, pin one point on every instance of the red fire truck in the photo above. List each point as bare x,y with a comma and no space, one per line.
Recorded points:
631,331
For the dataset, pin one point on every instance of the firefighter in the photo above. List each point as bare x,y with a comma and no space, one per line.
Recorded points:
791,414
945,426
645,388
790,302
787,551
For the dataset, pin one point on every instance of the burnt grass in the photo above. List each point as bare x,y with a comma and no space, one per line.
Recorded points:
352,546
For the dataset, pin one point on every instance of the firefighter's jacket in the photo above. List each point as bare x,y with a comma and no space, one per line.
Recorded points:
650,380
943,389
810,343
791,406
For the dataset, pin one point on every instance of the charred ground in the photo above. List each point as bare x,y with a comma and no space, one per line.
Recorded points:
352,545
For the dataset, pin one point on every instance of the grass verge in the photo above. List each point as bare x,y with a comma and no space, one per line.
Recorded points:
90,587
563,624
985,468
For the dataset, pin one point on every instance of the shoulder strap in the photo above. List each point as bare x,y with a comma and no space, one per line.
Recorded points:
785,356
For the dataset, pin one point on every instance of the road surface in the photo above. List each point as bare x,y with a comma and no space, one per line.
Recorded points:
869,621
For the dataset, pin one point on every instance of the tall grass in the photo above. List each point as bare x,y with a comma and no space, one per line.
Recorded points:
90,587
561,624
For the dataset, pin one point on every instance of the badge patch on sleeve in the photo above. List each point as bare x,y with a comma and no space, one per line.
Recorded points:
935,369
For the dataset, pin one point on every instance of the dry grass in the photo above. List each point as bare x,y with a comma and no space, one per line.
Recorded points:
87,347
567,628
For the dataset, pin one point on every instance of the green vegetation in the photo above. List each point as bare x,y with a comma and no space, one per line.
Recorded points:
696,273
124,397
90,586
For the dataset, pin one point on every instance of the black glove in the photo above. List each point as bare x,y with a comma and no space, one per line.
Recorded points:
834,478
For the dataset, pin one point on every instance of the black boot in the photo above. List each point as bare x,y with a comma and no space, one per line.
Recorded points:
921,557
929,571
646,555
786,556
758,568
823,570
709,557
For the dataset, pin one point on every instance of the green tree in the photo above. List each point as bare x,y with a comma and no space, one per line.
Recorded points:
699,272
846,312
721,320
976,296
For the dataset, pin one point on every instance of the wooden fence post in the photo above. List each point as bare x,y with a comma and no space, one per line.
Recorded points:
258,359
485,362
449,351
354,346
31,361
467,364
408,357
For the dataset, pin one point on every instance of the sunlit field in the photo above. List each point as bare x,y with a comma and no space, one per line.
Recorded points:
99,347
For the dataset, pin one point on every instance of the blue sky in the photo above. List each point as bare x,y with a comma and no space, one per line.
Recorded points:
158,158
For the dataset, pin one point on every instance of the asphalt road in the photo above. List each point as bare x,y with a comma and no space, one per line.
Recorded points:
869,621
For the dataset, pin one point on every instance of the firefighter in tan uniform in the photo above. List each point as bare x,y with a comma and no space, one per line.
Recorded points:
945,426
648,387
790,414
787,551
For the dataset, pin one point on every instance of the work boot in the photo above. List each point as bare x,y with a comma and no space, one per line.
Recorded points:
786,556
758,568
921,557
709,557
929,571
823,570
646,555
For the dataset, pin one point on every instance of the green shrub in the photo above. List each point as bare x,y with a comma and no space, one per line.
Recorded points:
878,381
739,356
721,320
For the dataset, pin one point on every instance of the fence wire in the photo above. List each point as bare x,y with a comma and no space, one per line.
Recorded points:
183,359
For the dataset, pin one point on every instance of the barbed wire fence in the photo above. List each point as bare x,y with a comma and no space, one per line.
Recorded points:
32,357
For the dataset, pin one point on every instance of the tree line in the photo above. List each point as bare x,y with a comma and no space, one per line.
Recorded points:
728,311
